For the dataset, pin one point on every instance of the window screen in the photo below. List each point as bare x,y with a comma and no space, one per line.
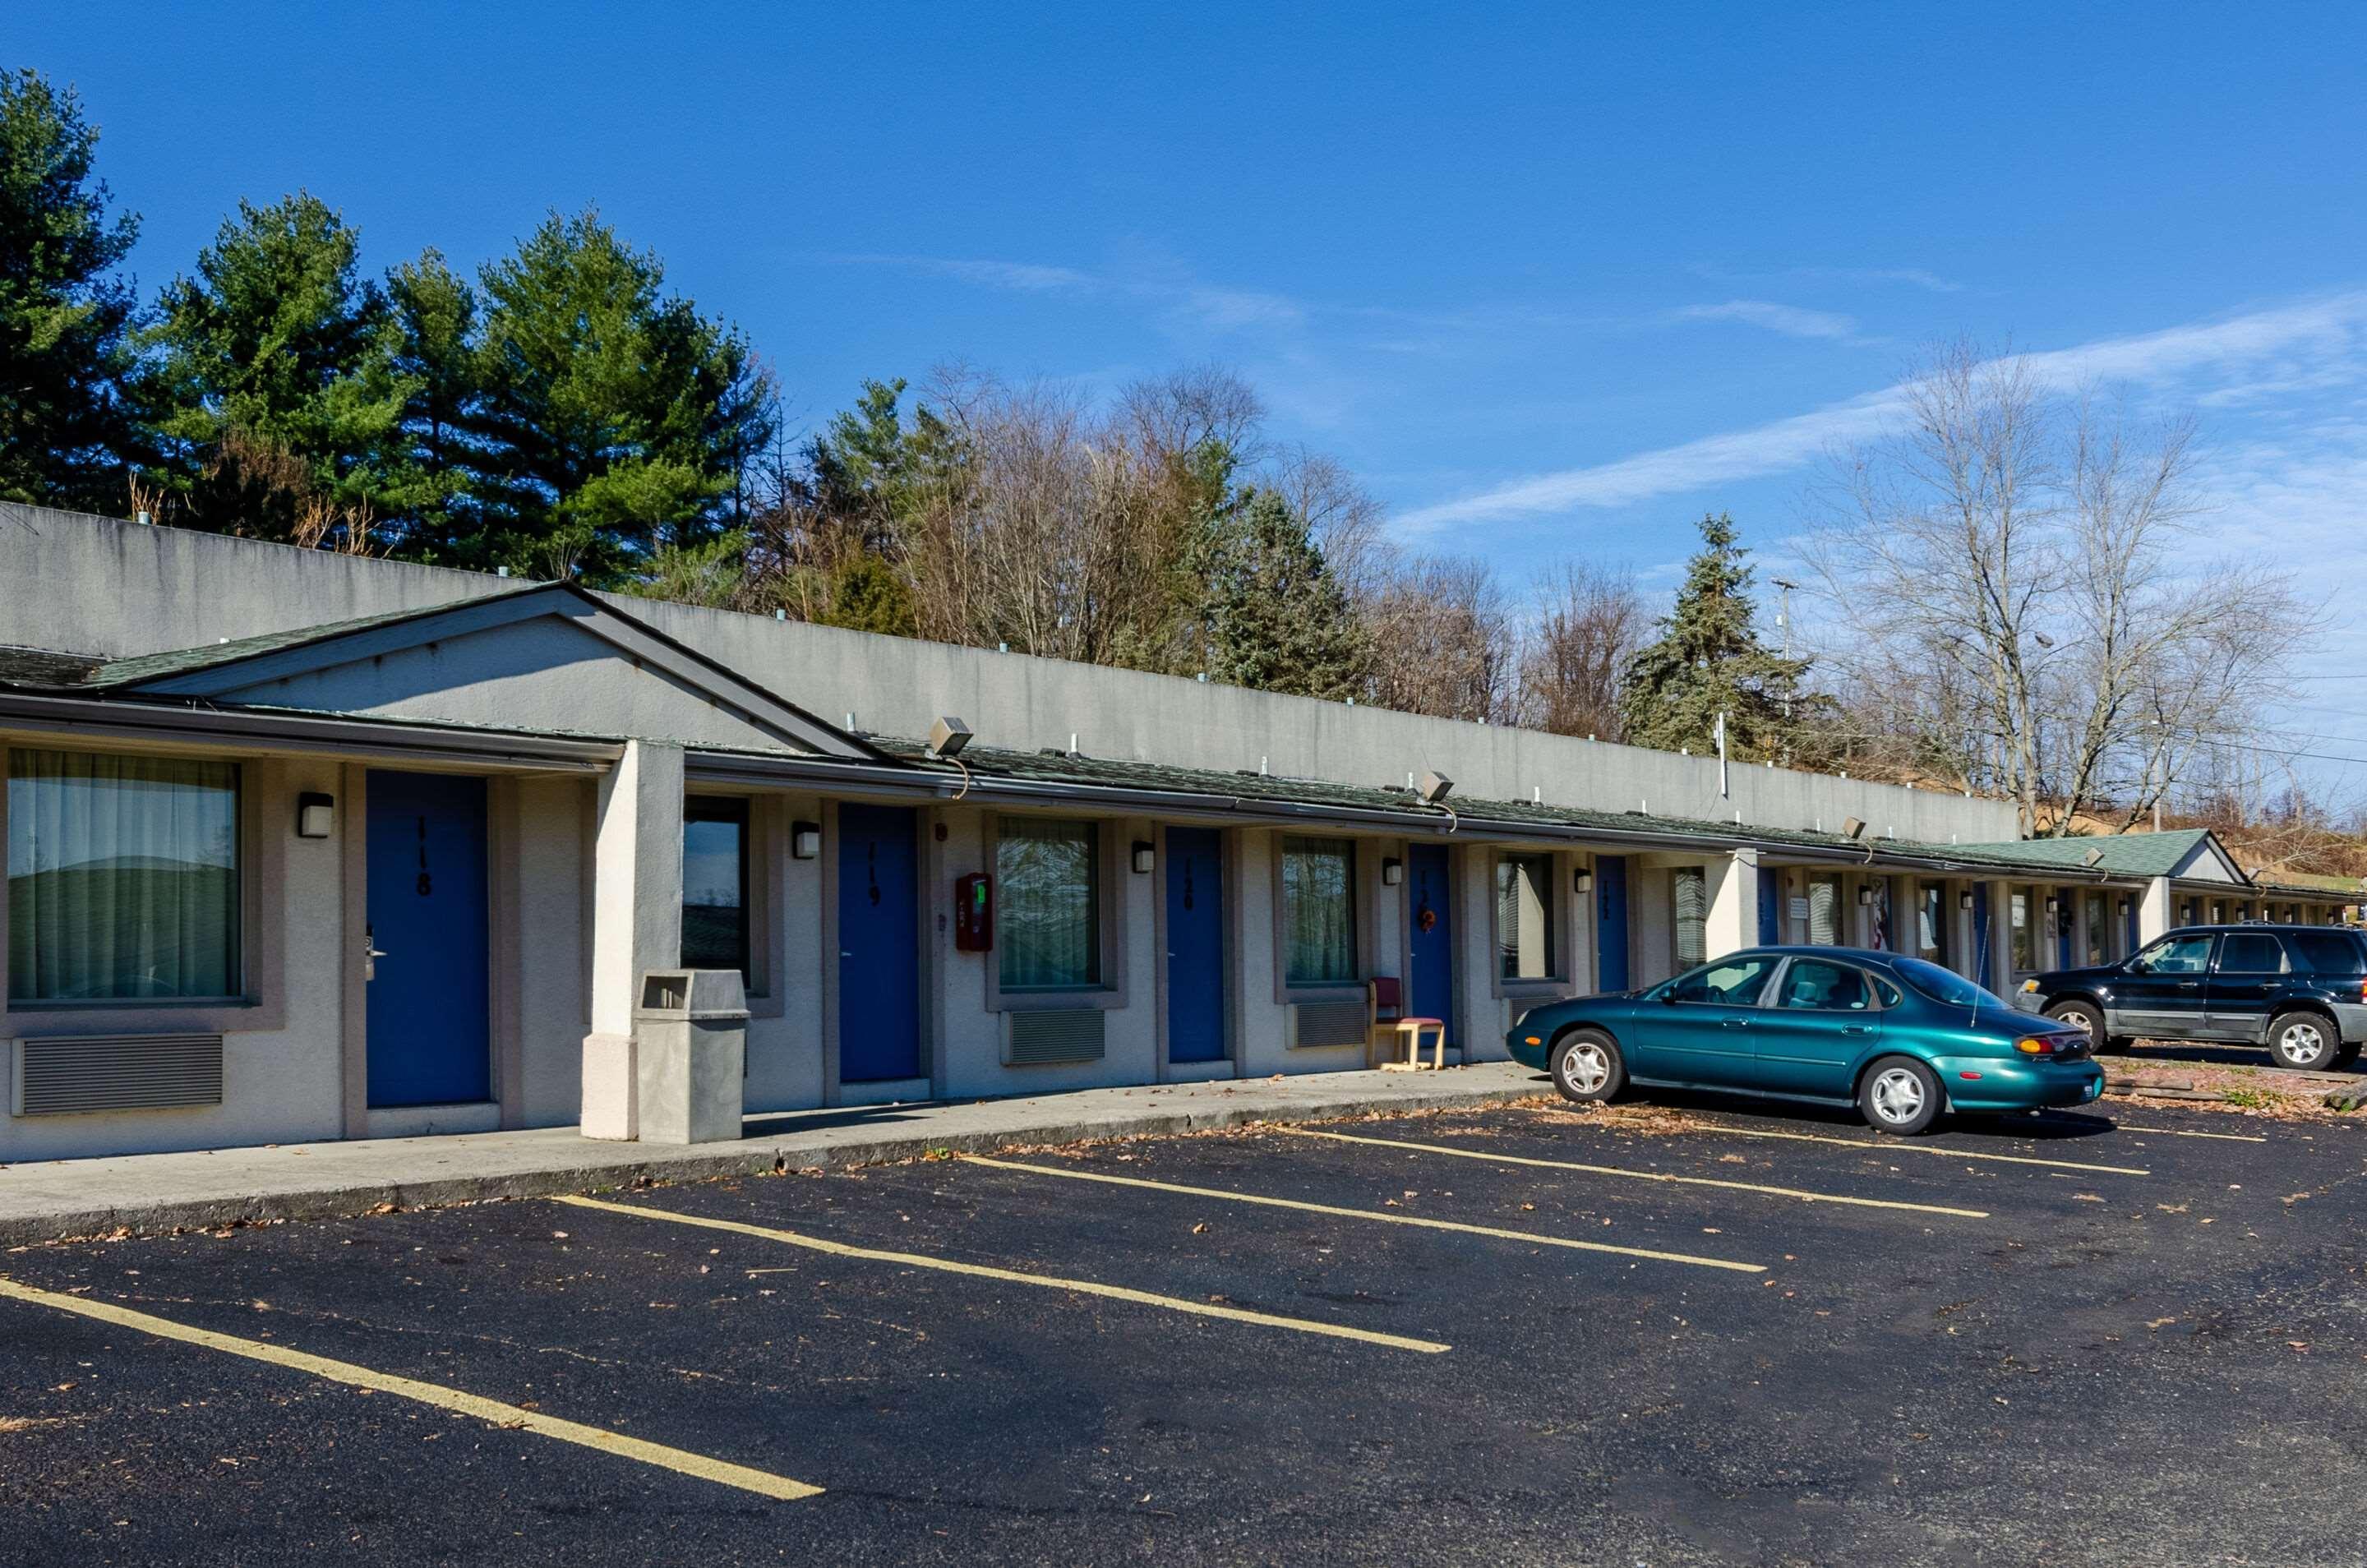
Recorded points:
1693,915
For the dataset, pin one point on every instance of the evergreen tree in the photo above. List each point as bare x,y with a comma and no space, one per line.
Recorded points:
65,318
432,317
274,395
612,419
1707,660
1274,617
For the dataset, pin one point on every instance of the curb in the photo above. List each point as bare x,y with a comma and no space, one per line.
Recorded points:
752,1157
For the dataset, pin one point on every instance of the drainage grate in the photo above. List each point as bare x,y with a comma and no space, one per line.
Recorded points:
1064,1034
61,1075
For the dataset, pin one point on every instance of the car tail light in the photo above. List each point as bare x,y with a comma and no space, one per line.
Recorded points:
2035,1045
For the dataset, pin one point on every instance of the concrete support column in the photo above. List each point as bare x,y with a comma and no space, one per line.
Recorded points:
2156,911
1733,889
635,922
1997,963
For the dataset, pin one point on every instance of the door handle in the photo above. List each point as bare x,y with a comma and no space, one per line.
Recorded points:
2189,984
1857,1029
371,954
1736,1023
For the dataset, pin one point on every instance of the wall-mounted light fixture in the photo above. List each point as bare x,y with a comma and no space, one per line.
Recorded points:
1865,897
1392,873
2054,904
1582,880
805,841
1964,899
1145,857
316,815
2124,909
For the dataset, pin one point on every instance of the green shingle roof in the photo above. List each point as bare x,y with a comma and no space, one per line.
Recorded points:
2126,854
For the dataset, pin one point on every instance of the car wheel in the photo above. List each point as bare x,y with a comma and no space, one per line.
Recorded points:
1900,1094
2087,1018
2302,1041
1587,1066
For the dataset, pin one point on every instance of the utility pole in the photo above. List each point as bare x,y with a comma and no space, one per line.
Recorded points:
1783,620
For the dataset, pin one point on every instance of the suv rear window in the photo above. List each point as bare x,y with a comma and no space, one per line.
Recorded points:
2250,953
2326,952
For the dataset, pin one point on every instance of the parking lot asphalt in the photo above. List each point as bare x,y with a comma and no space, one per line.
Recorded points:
1692,1332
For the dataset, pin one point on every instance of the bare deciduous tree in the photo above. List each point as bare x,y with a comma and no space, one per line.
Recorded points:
2016,601
1443,640
1587,625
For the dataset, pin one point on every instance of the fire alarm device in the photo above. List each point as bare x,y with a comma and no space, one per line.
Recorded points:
974,913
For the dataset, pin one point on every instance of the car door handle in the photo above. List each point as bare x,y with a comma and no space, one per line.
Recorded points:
1736,1023
2189,984
1857,1029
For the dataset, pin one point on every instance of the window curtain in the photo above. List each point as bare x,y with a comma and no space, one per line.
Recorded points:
1049,874
1931,922
1319,904
1824,911
1692,916
123,878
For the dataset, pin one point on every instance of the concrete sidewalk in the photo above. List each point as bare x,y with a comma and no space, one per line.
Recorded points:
148,1193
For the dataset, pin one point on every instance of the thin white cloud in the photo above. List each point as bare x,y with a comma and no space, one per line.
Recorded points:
1789,320
2266,348
1914,276
1026,276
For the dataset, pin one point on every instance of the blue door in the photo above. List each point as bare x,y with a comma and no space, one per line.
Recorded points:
1430,900
1770,891
1611,922
878,944
1195,945
429,1014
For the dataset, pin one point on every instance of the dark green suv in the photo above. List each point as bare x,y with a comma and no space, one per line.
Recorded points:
2300,990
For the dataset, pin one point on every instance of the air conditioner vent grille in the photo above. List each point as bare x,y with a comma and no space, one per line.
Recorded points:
1062,1034
64,1075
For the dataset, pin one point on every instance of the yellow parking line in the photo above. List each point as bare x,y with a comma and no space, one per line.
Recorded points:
1013,1276
1901,1146
493,1410
1530,1237
1806,1197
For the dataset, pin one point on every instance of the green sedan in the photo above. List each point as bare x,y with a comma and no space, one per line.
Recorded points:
1899,1038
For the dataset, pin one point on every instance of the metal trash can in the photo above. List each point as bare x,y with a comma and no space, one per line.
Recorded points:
692,1035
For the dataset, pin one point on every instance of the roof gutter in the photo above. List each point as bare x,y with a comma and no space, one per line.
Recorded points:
246,731
749,771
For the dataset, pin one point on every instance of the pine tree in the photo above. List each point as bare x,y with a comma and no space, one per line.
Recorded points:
432,318
1273,617
65,318
613,420
274,395
1707,660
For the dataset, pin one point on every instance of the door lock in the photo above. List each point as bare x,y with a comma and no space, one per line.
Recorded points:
371,954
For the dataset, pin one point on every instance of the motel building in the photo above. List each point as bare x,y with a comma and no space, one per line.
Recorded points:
304,846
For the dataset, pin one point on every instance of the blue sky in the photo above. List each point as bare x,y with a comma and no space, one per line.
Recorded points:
1553,280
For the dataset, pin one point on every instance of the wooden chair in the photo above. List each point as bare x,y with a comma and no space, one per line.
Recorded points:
1389,1033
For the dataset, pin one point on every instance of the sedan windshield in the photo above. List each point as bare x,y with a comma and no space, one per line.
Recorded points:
1945,985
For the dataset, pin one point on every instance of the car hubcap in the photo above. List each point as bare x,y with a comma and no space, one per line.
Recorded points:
2076,1019
2303,1043
1898,1095
1586,1068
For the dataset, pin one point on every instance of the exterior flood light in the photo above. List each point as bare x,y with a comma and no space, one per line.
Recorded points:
1851,827
1392,873
1144,855
1434,788
947,736
1582,881
2092,857
316,815
804,839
